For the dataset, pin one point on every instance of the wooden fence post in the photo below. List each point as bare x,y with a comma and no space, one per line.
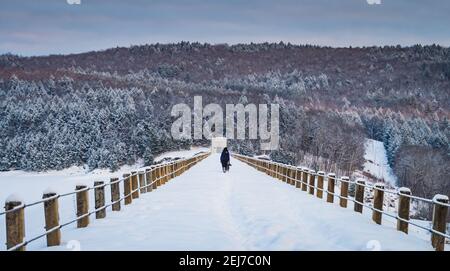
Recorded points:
359,195
378,199
305,179
439,221
344,192
115,194
288,174
275,169
82,206
403,209
312,179
298,182
293,175
320,176
162,173
127,189
279,172
175,169
134,185
158,176
99,193
51,214
154,177
166,172
172,168
142,182
284,173
15,224
148,179
331,185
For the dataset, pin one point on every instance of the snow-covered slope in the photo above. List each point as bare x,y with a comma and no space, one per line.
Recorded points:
30,185
181,154
376,162
205,209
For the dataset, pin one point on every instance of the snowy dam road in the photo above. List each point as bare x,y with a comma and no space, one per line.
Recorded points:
205,209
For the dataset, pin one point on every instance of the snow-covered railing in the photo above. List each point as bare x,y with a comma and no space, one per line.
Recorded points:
313,182
134,184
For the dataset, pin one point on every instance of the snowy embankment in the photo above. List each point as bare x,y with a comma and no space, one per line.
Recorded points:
376,162
205,209
181,154
29,186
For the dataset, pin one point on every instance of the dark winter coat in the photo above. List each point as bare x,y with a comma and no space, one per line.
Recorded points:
225,157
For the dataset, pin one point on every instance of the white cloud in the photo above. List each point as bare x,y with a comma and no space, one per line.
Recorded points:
74,2
374,2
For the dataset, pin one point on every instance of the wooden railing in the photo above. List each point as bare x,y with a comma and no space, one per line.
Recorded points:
314,183
134,184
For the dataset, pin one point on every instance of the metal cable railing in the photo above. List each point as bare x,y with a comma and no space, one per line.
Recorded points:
171,169
280,169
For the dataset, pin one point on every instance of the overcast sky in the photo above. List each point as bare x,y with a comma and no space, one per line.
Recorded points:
39,27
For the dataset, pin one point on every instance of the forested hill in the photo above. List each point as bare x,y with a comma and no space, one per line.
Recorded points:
389,77
112,107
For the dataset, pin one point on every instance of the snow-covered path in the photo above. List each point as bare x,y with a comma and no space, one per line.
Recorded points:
205,209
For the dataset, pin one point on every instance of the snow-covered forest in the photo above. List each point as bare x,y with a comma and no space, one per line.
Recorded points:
110,108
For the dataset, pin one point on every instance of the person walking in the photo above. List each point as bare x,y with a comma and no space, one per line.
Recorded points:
225,160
